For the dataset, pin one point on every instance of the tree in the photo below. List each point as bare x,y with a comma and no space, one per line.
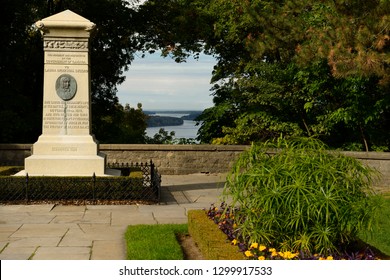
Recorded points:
176,27
21,71
162,137
124,125
297,68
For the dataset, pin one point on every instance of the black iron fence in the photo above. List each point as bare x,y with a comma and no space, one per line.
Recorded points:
139,182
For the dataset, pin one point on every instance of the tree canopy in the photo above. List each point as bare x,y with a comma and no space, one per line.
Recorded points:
307,68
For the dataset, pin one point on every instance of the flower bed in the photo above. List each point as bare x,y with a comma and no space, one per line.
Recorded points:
224,217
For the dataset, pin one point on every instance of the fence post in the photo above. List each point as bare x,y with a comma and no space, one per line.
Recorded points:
26,185
93,187
155,184
151,171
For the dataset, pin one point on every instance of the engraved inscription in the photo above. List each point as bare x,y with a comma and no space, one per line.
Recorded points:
66,58
62,44
65,70
66,87
66,115
64,149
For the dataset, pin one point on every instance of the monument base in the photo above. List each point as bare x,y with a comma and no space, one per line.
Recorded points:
66,155
45,165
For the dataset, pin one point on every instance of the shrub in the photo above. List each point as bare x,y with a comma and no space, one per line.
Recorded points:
300,197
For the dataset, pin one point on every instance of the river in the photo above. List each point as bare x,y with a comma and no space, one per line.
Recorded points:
187,130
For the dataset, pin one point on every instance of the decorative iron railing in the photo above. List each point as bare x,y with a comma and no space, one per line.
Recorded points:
139,182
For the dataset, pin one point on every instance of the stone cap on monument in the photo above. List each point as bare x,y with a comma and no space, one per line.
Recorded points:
61,24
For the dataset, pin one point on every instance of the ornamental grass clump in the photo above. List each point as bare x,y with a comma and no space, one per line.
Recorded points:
297,196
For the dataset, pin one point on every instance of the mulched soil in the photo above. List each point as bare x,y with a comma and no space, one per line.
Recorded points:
190,250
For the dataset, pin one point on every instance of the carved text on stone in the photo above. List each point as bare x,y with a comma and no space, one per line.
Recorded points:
63,44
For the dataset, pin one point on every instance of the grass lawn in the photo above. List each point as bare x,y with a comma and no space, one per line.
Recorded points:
154,242
380,238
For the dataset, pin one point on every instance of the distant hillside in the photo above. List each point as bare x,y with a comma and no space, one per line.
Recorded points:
154,121
192,116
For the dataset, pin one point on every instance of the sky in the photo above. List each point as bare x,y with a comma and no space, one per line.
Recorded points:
162,84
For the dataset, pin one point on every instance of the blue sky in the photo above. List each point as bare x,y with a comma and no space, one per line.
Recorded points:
162,84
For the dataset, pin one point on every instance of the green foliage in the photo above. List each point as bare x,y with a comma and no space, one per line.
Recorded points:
154,121
301,197
166,137
162,137
123,125
21,71
276,98
154,242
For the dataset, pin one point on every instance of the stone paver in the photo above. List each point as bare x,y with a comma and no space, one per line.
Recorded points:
62,253
41,230
17,253
109,250
67,232
35,242
121,218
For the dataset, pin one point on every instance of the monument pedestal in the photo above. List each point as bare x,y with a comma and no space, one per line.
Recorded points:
66,146
66,156
48,165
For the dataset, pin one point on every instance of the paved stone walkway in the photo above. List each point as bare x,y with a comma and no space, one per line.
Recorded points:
96,232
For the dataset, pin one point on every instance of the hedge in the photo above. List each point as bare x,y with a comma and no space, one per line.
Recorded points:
211,241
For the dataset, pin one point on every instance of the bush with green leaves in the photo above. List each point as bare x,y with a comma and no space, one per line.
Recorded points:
297,195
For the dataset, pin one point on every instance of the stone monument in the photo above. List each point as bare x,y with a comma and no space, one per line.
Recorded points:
66,146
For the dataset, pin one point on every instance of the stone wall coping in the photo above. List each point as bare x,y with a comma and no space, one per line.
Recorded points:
199,147
170,147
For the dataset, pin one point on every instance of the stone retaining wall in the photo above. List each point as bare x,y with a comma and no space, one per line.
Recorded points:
187,159
177,159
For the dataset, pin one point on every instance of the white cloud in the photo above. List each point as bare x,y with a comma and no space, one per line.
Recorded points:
162,84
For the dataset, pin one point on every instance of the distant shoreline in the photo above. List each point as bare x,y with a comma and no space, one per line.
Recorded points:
170,117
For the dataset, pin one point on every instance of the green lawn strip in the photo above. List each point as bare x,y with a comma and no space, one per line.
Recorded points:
154,242
380,237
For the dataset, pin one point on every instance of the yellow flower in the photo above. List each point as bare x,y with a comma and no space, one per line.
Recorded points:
234,225
248,254
274,253
321,258
271,250
287,255
254,245
261,258
329,258
262,248
234,241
